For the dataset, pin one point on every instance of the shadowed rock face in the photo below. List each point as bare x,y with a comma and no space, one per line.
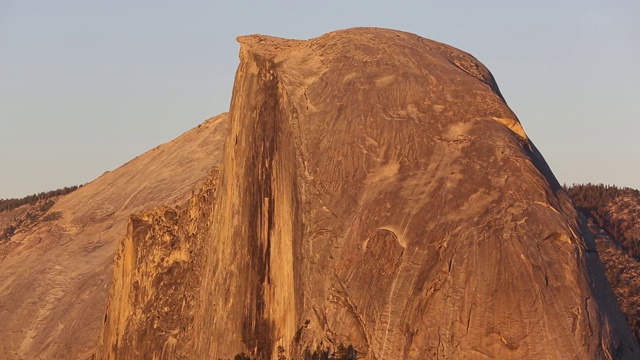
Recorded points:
376,190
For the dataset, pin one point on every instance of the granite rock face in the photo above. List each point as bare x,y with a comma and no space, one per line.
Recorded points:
55,274
158,272
375,190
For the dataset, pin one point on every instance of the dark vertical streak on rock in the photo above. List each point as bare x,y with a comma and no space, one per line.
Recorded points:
257,329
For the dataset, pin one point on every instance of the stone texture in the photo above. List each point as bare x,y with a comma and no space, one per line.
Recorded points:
376,184
55,275
375,190
157,275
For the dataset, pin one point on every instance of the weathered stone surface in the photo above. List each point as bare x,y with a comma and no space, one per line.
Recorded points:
375,190
157,275
55,274
376,184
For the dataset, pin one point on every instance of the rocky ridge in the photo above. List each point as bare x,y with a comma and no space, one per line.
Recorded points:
57,267
158,271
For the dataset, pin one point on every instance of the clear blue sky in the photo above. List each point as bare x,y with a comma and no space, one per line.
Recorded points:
87,85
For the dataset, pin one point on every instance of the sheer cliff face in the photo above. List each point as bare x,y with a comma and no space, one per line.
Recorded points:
376,184
376,190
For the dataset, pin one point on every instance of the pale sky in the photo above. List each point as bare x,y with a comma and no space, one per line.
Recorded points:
87,85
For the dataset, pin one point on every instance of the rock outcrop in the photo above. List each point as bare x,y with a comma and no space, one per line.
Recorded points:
380,187
375,190
56,268
158,273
